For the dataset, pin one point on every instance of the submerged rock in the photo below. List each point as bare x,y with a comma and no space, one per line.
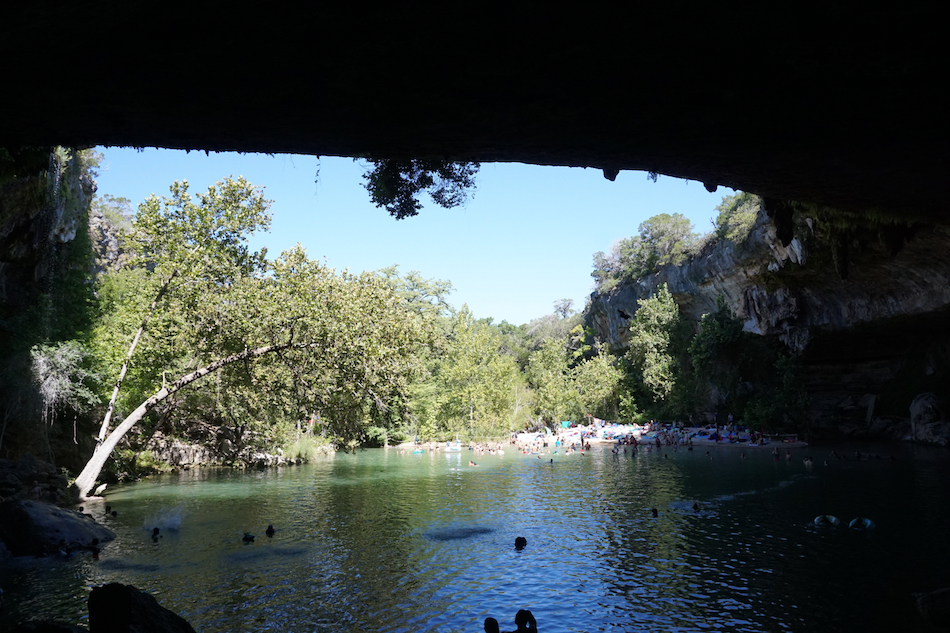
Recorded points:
117,608
35,528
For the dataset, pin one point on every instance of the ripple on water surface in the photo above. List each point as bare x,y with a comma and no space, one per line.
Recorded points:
386,542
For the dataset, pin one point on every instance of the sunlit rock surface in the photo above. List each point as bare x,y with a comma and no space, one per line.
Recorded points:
867,308
786,290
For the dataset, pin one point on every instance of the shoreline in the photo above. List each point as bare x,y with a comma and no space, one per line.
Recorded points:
602,441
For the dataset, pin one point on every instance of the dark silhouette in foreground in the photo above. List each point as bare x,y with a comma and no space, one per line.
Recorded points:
523,620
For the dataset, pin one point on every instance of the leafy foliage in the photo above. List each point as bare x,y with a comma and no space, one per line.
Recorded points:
63,376
395,184
598,382
472,385
650,334
549,373
661,240
342,346
48,312
736,216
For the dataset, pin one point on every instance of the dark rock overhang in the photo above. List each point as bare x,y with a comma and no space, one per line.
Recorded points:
822,104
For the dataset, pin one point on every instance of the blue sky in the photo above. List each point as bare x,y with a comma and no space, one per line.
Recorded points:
525,240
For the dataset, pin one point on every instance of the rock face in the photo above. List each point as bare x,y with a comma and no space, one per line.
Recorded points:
48,627
177,453
31,477
222,448
867,309
934,607
928,420
847,110
786,290
116,608
34,528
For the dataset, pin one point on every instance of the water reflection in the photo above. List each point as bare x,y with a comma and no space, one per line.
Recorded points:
383,541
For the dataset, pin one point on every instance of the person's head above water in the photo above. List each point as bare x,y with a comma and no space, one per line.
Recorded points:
521,542
525,621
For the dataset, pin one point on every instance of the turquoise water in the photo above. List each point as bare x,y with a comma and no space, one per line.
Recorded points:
384,541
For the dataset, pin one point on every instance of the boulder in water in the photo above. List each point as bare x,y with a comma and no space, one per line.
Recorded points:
117,608
36,528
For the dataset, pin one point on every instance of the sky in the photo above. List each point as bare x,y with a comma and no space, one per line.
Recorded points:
523,242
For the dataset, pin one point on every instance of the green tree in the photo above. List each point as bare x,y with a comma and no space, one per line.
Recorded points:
597,381
550,375
429,297
342,345
395,184
475,379
668,238
651,331
751,376
714,350
736,215
191,250
555,326
662,239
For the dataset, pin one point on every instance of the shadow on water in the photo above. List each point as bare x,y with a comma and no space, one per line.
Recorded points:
456,533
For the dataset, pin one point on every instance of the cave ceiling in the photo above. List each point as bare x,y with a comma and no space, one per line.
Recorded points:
821,103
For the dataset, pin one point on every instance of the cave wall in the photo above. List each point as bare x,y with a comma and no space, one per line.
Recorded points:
45,196
833,103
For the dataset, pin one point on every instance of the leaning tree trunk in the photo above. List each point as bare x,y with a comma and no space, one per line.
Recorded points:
87,478
104,428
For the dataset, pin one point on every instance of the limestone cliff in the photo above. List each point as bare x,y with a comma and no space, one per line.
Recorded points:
788,290
865,305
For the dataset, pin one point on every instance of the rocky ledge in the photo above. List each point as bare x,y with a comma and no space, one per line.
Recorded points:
37,528
117,608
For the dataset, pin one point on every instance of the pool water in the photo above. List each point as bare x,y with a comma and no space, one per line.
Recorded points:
394,541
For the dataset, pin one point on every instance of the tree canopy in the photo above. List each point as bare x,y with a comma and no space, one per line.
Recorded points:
735,216
341,345
662,239
395,184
